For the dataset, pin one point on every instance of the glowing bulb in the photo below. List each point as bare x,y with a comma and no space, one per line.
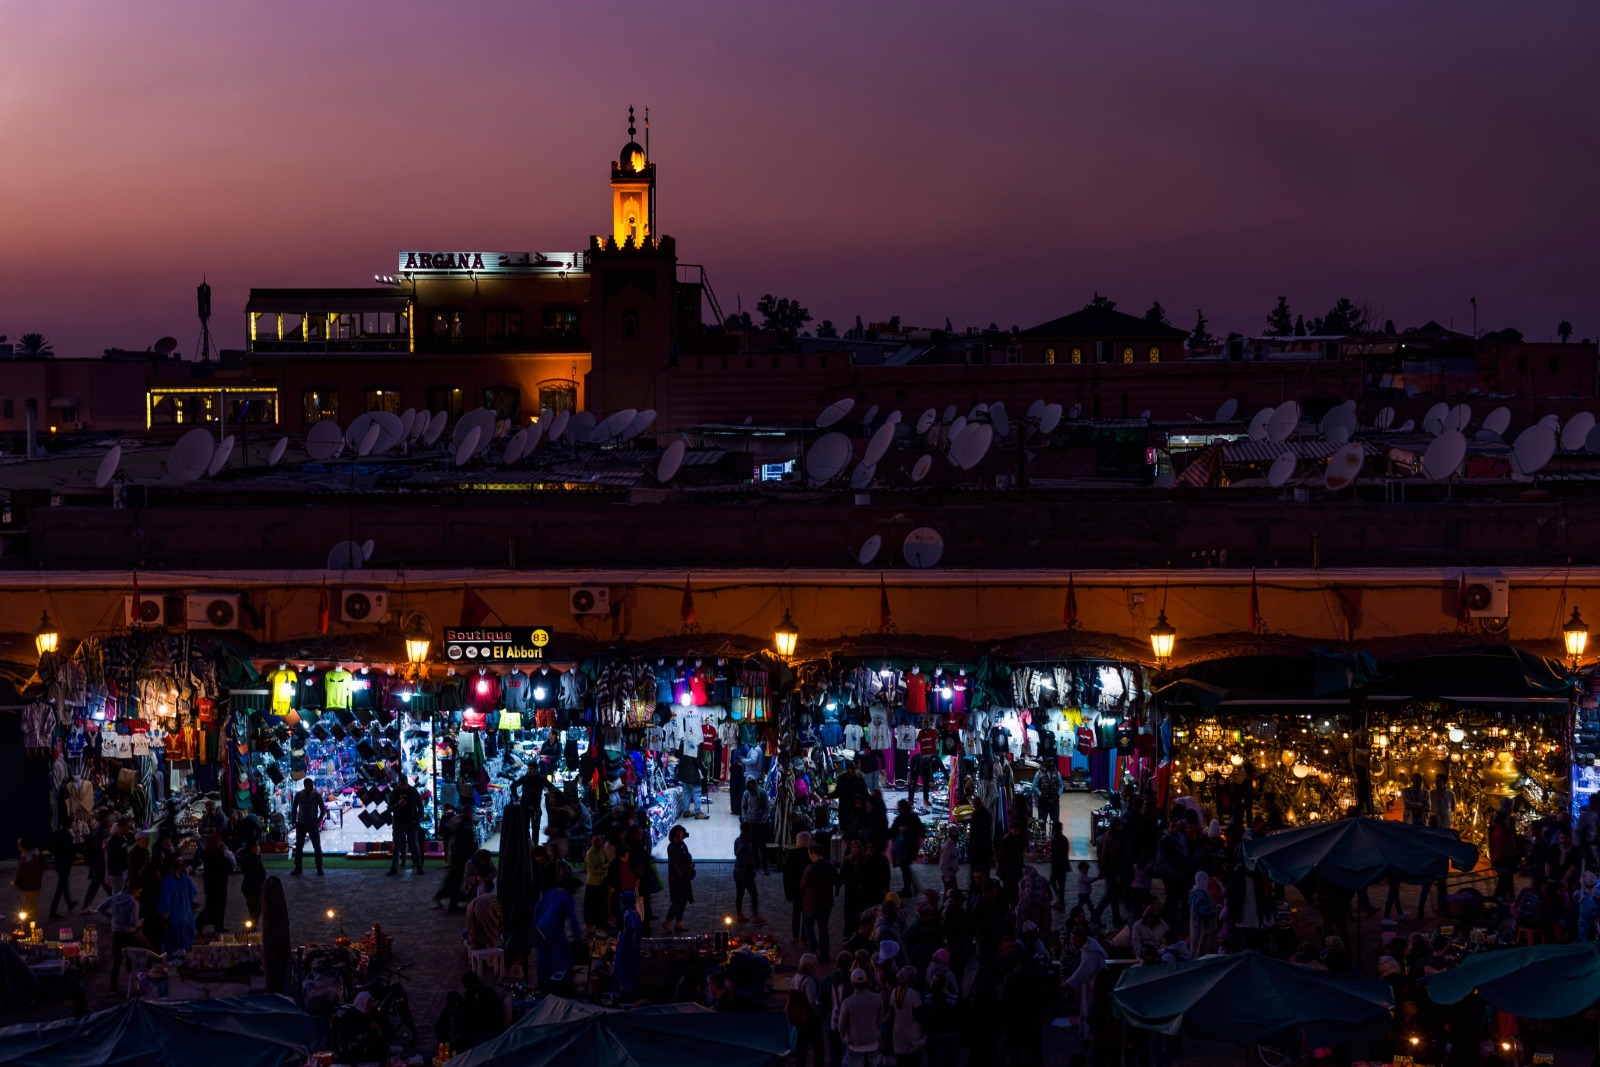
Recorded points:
727,920
249,924
1236,759
684,698
330,913
1300,770
538,692
1457,735
483,685
946,692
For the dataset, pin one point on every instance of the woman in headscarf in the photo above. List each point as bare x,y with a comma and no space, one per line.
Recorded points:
1202,917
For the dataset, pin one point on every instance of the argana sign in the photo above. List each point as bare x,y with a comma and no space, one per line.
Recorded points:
448,262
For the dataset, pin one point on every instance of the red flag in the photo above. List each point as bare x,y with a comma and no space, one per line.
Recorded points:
884,616
322,609
1255,602
1069,611
686,609
473,609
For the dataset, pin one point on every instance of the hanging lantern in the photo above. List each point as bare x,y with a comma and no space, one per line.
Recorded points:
1300,770
786,636
46,638
1457,735
1576,637
417,639
1162,638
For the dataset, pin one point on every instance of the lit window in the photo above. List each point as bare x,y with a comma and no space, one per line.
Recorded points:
446,398
1127,355
319,402
382,398
1077,355
504,400
1155,354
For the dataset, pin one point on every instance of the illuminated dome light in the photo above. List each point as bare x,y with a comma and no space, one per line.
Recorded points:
1301,770
1457,735
1236,759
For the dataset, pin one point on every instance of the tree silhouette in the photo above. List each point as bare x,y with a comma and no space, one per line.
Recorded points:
1279,322
1388,327
34,344
1100,303
1564,331
1343,318
826,329
781,314
740,321
1157,315
1201,336
1299,325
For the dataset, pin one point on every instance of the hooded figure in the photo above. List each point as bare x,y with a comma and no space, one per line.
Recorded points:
1202,916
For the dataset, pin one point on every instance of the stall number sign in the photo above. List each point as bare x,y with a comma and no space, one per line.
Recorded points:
516,644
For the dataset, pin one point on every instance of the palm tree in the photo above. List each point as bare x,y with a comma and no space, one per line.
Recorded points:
34,344
1564,331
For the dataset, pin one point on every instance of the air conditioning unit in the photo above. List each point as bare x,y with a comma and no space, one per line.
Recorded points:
212,611
1488,598
363,605
145,610
589,600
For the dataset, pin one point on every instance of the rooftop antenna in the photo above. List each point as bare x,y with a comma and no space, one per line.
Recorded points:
203,300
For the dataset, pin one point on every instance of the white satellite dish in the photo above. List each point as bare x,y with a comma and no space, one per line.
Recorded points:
1488,436
972,446
1433,419
323,441
1444,455
671,460
1285,417
894,417
1576,431
925,420
480,419
1228,410
219,458
191,455
1553,421
345,556
1077,409
1408,426
878,447
977,409
1257,429
356,432
580,429
1145,415
558,425
1282,469
467,447
923,547
1050,418
275,457
920,469
834,412
366,548
827,458
869,549
612,426
1460,418
419,425
949,415
435,428
1351,404
1498,420
866,420
535,432
998,418
956,429
641,422
1343,466
408,421
517,447
369,439
1036,408
1592,442
108,467
1339,435
1533,448
1384,420
1339,418
862,476
394,431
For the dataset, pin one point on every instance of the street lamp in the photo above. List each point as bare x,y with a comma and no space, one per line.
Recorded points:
1575,634
418,639
786,636
46,639
1162,638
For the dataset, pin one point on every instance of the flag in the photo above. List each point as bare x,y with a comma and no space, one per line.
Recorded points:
1461,601
884,615
322,608
473,609
1255,602
1069,611
686,609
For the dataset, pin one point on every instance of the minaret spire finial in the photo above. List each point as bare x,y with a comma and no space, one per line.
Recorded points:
631,130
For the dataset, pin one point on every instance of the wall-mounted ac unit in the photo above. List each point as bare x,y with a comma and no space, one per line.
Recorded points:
150,610
363,605
589,600
1488,598
212,611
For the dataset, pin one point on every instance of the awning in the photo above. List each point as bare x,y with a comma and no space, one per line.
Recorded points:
64,402
327,301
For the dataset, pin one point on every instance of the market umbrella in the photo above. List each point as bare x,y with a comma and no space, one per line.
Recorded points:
516,887
1536,982
570,1033
1246,998
1357,852
258,1031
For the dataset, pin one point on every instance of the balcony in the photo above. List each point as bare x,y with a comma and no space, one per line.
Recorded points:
295,346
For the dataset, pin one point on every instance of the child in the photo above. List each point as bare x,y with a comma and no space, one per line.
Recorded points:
1084,882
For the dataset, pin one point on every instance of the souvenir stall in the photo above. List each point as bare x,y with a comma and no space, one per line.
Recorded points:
1289,763
1586,745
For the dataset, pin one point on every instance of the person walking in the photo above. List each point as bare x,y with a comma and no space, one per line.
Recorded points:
805,1013
795,862
405,807
680,878
94,857
1047,783
904,1006
254,876
753,819
123,907
176,908
462,842
816,900
308,811
906,844
1502,857
744,878
216,867
63,854
1414,798
118,842
858,1022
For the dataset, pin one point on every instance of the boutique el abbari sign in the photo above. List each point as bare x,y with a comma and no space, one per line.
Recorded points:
502,644
453,262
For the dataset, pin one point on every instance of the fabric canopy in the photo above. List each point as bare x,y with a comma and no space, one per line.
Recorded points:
1246,998
259,1031
569,1033
1357,852
1537,982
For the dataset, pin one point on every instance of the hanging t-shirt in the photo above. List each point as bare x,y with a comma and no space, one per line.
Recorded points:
697,688
337,687
362,695
905,737
689,722
1084,736
917,693
544,687
281,683
516,686
852,737
310,697
960,691
708,737
927,741
878,735
1105,732
483,691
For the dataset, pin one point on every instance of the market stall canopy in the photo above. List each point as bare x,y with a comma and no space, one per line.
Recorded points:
569,1033
259,1031
1357,852
1319,675
1245,998
1537,982
1487,673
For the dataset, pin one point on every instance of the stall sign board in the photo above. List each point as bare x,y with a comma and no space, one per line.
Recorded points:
504,644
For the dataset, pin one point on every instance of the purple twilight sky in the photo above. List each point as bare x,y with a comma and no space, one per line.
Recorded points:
976,161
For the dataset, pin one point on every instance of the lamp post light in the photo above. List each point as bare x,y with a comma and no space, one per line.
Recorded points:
1162,638
46,639
1575,634
786,636
418,639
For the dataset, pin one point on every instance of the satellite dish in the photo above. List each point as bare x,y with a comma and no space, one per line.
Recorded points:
949,415
1282,469
1285,417
219,458
862,476
920,469
1340,435
956,429
1552,421
1592,442
1488,436
1444,455
671,460
1145,415
878,447
972,446
612,426
1408,426
834,412
748,419
408,421
393,431
869,550
866,420
366,548
1227,411
346,556
977,409
580,428
164,347
1351,404
925,420
894,417
1385,419
516,447
535,432
1258,424
558,425
435,428
369,440
998,418
192,455
1339,418
275,457
358,428
641,422
923,547
1576,431
1343,466
108,467
1498,420
323,441
1036,408
1533,448
467,446
1077,409
1460,418
1050,418
479,419
827,458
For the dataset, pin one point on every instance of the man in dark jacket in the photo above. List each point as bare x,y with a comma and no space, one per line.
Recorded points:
308,811
405,807
816,900
461,844
795,862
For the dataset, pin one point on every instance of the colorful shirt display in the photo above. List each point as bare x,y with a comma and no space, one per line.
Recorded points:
917,693
337,687
282,684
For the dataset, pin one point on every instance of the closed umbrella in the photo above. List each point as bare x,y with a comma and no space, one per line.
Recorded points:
1358,852
516,887
1246,998
1536,982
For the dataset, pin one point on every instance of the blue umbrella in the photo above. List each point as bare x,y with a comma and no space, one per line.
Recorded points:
1245,998
1536,982
1357,852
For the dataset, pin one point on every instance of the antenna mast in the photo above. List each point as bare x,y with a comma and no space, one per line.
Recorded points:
203,300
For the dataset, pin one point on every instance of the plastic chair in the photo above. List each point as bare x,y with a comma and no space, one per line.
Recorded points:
490,959
137,961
